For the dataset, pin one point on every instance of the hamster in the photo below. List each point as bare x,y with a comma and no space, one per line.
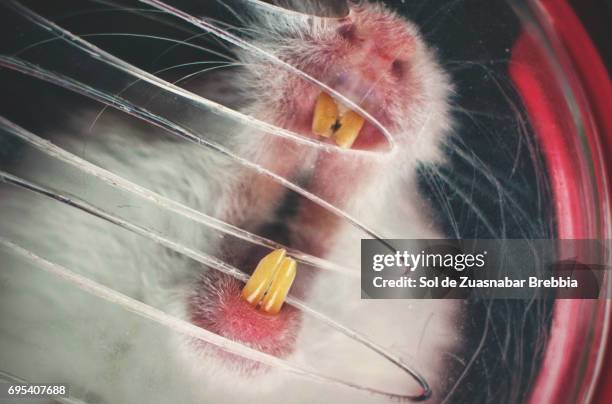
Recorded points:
53,332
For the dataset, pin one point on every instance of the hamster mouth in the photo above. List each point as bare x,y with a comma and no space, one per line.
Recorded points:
334,122
331,120
270,282
219,306
252,313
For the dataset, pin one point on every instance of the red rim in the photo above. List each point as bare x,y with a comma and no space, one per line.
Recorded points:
534,76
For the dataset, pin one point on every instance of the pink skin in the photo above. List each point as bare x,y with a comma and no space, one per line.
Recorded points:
218,307
367,59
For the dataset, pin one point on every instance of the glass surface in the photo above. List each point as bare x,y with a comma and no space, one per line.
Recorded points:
179,156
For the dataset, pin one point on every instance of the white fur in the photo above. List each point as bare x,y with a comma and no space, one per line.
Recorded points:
52,332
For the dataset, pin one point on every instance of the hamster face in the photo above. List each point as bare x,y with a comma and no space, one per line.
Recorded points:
372,57
375,59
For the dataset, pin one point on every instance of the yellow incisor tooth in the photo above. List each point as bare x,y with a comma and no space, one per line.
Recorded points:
350,125
325,115
262,277
283,279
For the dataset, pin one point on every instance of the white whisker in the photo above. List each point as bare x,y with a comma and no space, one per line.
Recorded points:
161,38
99,114
186,78
503,193
277,11
150,14
469,201
231,10
106,10
170,48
